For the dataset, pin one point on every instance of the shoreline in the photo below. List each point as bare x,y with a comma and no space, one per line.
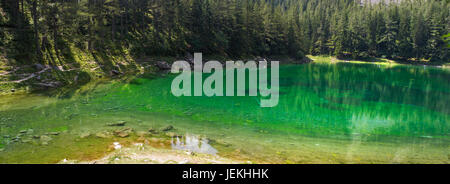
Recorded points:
379,61
142,153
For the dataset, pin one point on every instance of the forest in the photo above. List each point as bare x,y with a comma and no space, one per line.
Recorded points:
94,82
44,31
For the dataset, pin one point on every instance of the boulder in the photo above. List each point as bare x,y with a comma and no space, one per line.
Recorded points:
39,66
162,65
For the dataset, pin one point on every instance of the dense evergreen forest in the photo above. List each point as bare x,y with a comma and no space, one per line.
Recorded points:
51,30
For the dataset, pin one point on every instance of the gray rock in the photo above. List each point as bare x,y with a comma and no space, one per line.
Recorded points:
116,72
162,65
39,66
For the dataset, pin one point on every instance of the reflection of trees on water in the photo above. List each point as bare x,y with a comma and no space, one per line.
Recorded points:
193,143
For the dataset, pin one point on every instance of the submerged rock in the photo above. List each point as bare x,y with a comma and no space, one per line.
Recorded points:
153,131
142,133
122,134
125,132
26,140
45,138
426,136
171,134
103,134
154,140
167,128
16,139
53,133
119,123
85,135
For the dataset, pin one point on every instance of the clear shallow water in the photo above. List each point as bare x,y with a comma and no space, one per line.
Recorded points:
327,113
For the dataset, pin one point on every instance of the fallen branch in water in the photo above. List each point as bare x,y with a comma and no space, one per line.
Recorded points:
29,77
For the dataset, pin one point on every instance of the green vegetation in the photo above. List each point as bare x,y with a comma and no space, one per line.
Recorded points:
93,37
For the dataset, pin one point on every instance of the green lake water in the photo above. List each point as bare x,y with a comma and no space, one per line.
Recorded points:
327,113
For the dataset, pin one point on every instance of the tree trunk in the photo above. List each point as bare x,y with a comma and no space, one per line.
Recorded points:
36,27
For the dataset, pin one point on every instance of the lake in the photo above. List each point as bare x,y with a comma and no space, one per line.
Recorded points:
327,113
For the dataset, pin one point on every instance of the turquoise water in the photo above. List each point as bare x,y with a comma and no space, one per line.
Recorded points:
327,113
